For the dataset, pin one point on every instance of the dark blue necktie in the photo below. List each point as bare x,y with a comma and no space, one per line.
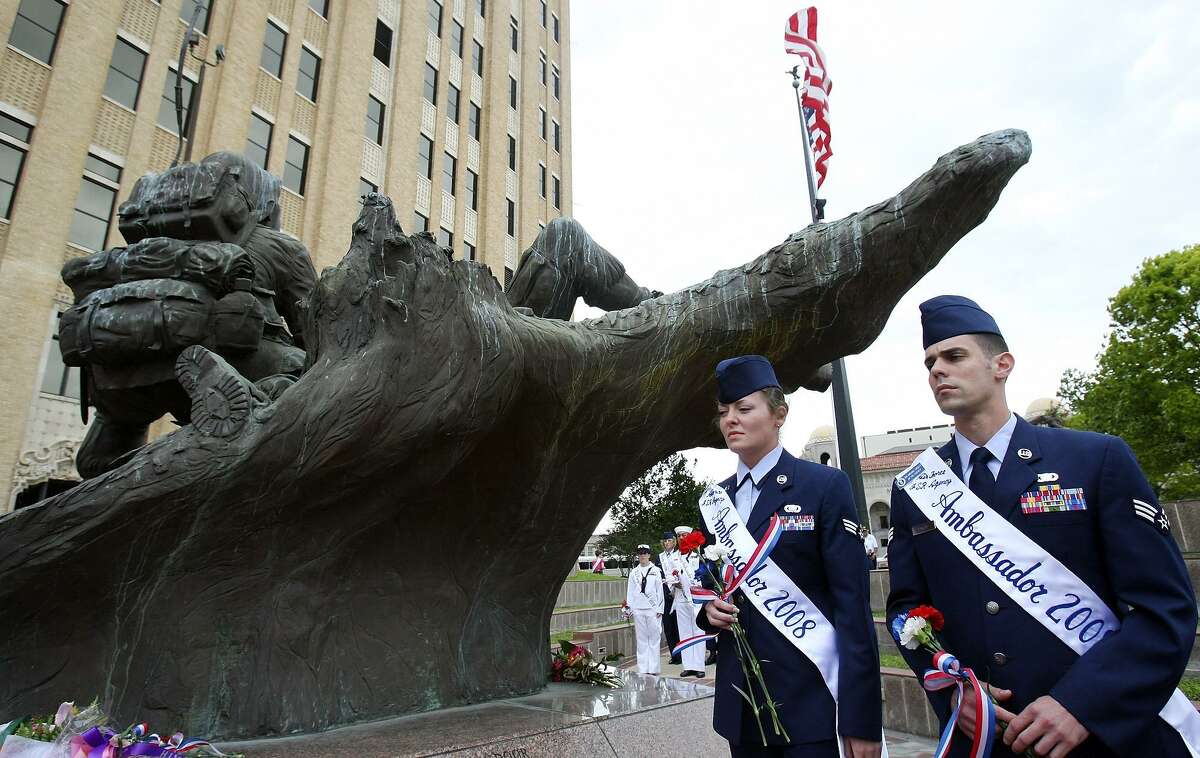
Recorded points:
982,483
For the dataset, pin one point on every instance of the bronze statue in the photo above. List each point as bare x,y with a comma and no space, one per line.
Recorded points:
206,265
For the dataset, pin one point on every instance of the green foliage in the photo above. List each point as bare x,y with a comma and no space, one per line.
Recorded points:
1146,386
1191,687
667,495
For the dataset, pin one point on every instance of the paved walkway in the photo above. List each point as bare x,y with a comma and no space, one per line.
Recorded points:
900,745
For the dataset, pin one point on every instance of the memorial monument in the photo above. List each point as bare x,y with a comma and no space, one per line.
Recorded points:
385,533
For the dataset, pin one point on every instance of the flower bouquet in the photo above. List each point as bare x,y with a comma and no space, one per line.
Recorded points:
75,733
915,629
711,559
573,663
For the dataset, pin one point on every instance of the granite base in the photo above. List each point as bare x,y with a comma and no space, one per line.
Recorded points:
648,715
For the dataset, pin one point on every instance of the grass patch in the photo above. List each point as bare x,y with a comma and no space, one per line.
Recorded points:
586,607
891,661
587,576
1191,687
564,636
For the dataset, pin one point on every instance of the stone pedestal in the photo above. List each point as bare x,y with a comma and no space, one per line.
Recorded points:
649,715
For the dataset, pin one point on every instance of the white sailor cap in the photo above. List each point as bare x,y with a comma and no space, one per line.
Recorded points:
643,549
683,530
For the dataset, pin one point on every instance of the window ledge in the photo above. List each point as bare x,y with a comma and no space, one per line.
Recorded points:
38,61
292,192
268,73
122,106
303,96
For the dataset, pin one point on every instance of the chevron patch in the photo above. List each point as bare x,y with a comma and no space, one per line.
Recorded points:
851,526
1151,513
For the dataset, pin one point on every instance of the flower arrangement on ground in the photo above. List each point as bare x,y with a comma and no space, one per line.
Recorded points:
575,663
82,733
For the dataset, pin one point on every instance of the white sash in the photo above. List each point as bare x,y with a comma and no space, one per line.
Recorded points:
1032,578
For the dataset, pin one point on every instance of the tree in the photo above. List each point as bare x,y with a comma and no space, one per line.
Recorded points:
1146,386
665,496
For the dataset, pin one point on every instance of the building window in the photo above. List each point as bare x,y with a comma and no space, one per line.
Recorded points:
469,251
508,277
35,29
542,179
59,378
295,165
375,113
512,93
542,63
474,117
544,11
512,220
477,57
365,187
435,17
310,74
557,184
452,95
274,42
481,8
166,108
557,81
258,140
514,33
456,38
555,19
383,43
12,158
125,74
431,84
542,121
512,152
189,6
449,167
420,223
94,205
425,156
445,238
320,6
470,190
557,138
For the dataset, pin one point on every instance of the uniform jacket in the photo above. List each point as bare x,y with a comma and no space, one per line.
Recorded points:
649,598
829,566
1130,561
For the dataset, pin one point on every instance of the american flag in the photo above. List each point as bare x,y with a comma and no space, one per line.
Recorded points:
800,38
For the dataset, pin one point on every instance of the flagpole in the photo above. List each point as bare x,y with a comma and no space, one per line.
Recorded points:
843,416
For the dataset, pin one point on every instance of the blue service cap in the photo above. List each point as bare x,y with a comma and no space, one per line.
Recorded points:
738,377
668,535
947,316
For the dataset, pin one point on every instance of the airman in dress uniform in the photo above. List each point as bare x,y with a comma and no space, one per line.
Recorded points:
820,552
1078,498
644,597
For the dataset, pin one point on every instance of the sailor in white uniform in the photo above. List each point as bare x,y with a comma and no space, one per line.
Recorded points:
644,596
680,577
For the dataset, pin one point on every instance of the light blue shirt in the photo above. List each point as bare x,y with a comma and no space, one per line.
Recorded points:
747,495
997,446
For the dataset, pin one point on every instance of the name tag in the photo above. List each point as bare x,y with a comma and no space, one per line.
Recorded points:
925,528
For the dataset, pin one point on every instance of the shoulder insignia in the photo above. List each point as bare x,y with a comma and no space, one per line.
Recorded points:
1151,513
891,534
850,526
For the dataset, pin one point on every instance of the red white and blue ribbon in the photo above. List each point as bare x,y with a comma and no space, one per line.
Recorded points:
948,672
732,579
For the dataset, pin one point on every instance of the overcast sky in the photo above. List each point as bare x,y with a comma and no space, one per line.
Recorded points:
687,160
